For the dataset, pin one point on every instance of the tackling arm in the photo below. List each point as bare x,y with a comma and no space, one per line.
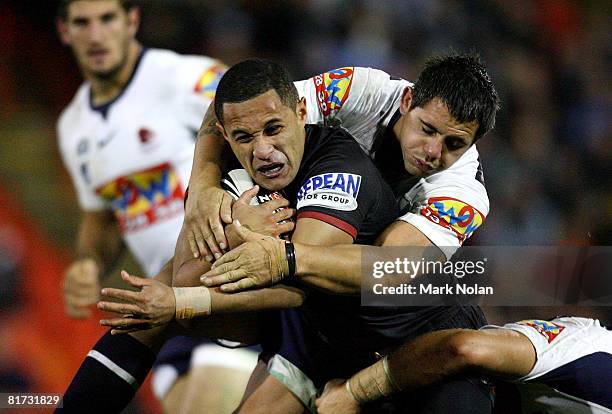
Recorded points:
207,203
334,268
430,359
338,268
208,161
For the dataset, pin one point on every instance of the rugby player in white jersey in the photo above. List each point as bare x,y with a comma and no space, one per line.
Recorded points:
127,140
440,173
563,365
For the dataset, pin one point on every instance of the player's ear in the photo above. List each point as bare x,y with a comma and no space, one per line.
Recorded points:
406,101
62,31
301,110
133,20
220,128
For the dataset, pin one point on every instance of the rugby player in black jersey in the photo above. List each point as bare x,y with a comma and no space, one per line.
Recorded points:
339,202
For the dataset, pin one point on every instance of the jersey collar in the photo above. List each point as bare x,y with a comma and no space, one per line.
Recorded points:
104,108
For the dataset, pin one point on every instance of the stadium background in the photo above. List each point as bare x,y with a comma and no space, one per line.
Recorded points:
547,163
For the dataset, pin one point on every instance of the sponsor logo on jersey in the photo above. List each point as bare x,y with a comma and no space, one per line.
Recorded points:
264,196
455,215
144,198
145,135
547,329
333,88
208,82
333,190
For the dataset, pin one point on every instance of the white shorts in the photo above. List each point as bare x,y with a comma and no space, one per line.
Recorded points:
207,354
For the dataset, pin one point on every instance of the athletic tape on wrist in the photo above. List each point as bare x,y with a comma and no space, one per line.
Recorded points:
192,302
387,370
372,383
350,392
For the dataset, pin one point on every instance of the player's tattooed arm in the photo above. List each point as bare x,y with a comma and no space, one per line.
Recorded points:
207,206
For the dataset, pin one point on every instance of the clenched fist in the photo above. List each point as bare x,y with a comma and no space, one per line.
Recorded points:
81,288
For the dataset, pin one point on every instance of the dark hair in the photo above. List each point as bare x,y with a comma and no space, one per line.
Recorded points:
461,81
62,8
251,78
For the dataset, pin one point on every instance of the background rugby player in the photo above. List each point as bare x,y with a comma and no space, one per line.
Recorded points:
127,139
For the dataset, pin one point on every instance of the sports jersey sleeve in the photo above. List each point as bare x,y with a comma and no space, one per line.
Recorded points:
339,190
353,97
448,207
86,195
560,341
197,78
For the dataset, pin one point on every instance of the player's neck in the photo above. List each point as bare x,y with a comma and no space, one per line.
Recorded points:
397,128
105,90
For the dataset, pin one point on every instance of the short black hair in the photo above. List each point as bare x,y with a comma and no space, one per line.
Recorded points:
62,8
251,78
461,81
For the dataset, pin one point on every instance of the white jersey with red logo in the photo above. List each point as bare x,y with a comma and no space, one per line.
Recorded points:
134,155
561,340
448,206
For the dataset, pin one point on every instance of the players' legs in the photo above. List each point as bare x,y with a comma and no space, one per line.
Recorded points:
266,395
113,370
215,382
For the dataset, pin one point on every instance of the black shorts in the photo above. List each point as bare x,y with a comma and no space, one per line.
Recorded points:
305,360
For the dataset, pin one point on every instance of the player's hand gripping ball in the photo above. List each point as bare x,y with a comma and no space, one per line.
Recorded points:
272,215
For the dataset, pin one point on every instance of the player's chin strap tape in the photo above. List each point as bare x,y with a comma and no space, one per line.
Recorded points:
290,253
372,383
192,302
